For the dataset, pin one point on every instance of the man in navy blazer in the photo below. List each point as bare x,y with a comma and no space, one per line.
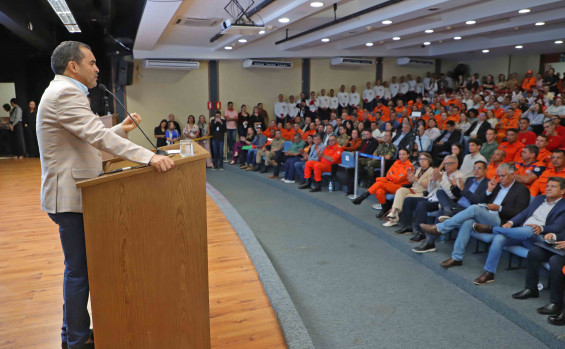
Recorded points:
544,215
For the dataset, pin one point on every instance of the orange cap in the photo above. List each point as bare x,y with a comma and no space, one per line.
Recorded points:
530,71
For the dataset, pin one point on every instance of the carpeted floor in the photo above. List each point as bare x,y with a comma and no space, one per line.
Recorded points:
352,288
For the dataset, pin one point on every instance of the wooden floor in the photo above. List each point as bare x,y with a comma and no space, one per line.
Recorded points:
31,273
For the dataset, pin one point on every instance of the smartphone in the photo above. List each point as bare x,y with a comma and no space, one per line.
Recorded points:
551,242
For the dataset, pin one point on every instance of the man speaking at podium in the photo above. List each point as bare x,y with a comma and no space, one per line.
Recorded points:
70,137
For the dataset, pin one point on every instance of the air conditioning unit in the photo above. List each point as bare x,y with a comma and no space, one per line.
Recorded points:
351,61
170,64
242,29
415,61
255,63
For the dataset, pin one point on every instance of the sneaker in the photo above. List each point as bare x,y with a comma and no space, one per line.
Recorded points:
442,219
390,223
283,179
289,181
377,207
213,169
418,237
425,247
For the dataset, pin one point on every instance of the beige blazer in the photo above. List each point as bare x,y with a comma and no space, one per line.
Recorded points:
69,136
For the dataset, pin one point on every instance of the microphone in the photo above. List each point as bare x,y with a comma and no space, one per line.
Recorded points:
157,151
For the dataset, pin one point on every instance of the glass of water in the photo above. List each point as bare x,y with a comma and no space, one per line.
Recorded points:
186,148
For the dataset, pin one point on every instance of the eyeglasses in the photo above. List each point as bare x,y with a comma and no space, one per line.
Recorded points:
450,163
478,168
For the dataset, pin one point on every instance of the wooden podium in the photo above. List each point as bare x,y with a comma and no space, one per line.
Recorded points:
147,255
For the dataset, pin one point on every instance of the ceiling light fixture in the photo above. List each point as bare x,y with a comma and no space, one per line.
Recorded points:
261,32
524,10
325,40
429,31
243,41
284,20
427,43
228,48
316,4
486,51
519,46
62,10
396,38
559,42
386,22
540,23
369,44
470,22
457,38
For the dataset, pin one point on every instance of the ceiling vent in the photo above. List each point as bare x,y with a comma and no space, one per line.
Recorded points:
170,64
351,61
256,63
415,61
199,22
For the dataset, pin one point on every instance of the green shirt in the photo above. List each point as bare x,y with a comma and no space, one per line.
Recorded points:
488,149
385,149
295,146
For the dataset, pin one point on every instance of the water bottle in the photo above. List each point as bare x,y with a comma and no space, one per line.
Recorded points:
540,286
331,186
442,238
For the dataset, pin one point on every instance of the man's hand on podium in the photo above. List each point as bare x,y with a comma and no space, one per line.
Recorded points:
161,163
128,124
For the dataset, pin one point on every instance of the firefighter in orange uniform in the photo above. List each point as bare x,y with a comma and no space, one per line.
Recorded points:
329,156
557,170
512,147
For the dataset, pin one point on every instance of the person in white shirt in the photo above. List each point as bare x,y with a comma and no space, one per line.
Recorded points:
473,156
343,100
368,97
292,108
557,109
334,103
354,99
324,105
394,87
313,105
379,90
411,87
427,80
419,88
431,88
281,109
387,96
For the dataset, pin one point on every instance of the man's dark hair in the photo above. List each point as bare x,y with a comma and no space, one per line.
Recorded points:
560,151
450,123
532,148
6,107
515,130
230,102
525,119
64,53
559,180
481,162
477,141
218,112
544,136
13,100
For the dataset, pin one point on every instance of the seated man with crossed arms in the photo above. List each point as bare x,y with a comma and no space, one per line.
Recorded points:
329,156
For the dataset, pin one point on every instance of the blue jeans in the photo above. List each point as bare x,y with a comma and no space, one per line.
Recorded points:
464,222
289,169
251,155
299,168
231,135
508,236
218,153
76,321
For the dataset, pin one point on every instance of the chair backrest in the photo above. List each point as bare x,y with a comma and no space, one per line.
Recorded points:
348,159
286,145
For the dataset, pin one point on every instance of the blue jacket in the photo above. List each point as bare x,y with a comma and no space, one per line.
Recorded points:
555,221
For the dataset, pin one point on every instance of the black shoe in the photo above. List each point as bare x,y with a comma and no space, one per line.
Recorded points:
425,247
557,320
403,230
526,293
256,168
264,169
418,237
317,187
307,184
550,309
358,200
381,213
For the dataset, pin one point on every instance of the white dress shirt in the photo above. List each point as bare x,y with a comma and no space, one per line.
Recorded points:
334,102
368,95
354,98
281,109
394,88
324,101
343,98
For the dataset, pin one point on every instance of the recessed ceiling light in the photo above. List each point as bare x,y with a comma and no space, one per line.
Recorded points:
486,51
261,32
284,20
519,46
228,47
396,38
559,42
316,4
325,40
427,43
457,38
369,44
524,10
243,41
386,22
429,31
540,23
470,22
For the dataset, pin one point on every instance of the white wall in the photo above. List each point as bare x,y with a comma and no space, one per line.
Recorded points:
7,92
390,69
497,64
324,75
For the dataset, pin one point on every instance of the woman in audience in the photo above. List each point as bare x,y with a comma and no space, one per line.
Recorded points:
461,83
204,131
342,138
432,132
432,87
191,130
256,119
539,82
491,118
360,127
348,127
458,151
172,134
160,133
243,121
354,143
396,177
388,126
536,116
463,123
419,180
489,83
242,142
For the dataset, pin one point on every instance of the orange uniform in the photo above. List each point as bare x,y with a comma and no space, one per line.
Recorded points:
504,125
270,132
513,151
324,165
536,168
287,134
491,170
385,113
396,177
538,187
545,157
308,133
499,113
354,144
528,83
454,117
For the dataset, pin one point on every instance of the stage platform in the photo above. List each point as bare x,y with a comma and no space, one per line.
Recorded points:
31,273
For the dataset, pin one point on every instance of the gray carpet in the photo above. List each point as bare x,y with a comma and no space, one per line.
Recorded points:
354,289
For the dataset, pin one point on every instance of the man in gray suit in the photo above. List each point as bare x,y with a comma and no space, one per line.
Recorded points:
17,126
70,137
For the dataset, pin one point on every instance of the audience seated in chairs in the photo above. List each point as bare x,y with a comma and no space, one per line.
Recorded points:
447,138
268,151
249,154
316,147
331,155
292,152
290,163
385,150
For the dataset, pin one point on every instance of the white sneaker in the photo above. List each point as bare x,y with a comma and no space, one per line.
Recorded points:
442,219
390,224
283,179
288,181
377,207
